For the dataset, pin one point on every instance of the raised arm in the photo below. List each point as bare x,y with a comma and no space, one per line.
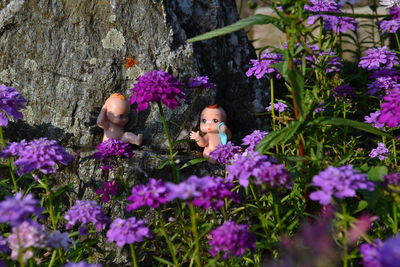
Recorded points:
102,120
201,141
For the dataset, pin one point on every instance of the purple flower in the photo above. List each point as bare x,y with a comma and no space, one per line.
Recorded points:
81,264
40,154
322,5
250,163
390,109
27,235
386,84
391,26
380,151
370,254
11,102
373,119
395,11
113,148
224,153
281,107
392,178
263,66
86,212
17,209
153,194
253,139
190,188
201,82
59,240
272,175
385,73
343,91
340,182
389,252
214,196
377,58
127,231
3,246
231,239
156,86
109,189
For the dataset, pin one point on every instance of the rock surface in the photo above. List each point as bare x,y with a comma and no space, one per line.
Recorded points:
66,57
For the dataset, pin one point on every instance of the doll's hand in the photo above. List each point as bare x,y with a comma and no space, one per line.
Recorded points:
195,136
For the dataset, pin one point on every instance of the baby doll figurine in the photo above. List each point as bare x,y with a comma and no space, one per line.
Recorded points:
113,117
213,130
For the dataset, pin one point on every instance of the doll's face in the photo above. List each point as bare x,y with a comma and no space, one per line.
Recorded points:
210,118
117,111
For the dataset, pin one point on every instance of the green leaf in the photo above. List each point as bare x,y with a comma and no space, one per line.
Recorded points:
241,24
161,260
376,173
278,137
361,206
192,162
346,122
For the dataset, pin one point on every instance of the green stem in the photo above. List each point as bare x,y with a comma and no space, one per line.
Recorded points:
345,240
395,219
196,236
276,209
9,162
170,245
134,262
45,185
175,171
271,86
397,40
394,152
53,258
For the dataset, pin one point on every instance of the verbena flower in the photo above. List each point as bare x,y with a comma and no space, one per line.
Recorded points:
59,240
380,151
263,66
385,84
26,236
246,165
343,91
378,58
391,26
113,148
370,254
253,139
11,102
392,178
85,212
153,194
340,182
127,231
281,107
40,154
81,264
3,245
156,86
272,175
322,5
389,3
372,118
190,188
214,196
390,109
201,82
224,153
389,252
390,73
231,239
18,209
109,189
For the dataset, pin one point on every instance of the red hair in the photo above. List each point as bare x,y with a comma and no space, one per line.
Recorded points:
215,106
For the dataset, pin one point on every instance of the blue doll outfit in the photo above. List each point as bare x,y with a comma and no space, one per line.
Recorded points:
223,138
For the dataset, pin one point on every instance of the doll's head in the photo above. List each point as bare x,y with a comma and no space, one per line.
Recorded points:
210,117
117,109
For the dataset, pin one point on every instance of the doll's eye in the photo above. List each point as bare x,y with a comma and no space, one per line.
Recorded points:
215,120
203,120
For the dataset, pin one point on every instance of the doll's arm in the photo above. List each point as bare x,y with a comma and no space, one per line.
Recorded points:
226,130
201,141
102,120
